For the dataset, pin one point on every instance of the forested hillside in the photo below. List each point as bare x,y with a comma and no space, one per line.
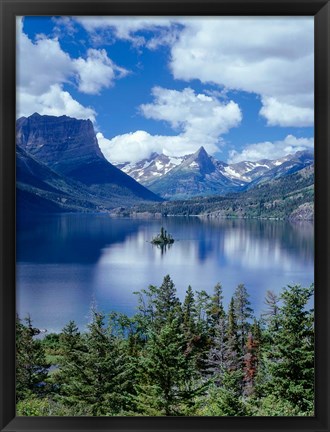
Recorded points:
287,197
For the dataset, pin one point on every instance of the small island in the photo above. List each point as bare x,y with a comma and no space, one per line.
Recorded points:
164,238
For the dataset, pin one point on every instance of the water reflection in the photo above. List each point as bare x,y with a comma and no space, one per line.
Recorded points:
64,262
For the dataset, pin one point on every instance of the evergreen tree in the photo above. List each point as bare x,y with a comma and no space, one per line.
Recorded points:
167,304
94,372
203,306
216,309
189,320
291,359
31,364
233,361
225,400
189,313
167,373
243,314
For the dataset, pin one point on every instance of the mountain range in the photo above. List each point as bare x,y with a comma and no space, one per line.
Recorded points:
200,174
61,167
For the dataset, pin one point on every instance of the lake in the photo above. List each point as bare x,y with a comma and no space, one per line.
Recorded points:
66,263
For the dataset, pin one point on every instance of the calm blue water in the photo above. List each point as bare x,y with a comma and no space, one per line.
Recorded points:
66,263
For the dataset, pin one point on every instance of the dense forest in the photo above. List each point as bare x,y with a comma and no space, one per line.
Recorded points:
173,358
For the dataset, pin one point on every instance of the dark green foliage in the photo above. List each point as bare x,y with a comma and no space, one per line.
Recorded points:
163,238
189,313
176,359
291,358
243,315
31,364
225,400
167,370
93,374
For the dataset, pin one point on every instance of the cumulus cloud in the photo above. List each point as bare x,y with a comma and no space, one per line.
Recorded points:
280,113
199,119
272,57
43,68
54,101
97,71
135,146
41,63
271,150
269,56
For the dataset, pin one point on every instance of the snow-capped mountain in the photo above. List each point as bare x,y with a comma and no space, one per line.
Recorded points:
148,170
202,174
197,174
248,171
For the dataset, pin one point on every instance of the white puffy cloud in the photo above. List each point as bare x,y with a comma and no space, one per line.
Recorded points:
201,117
271,150
269,56
43,68
280,113
272,57
97,71
41,63
135,146
55,102
199,120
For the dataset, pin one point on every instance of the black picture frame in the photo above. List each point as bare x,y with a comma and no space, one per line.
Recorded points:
9,9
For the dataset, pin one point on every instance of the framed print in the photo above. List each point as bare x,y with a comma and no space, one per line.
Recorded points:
164,215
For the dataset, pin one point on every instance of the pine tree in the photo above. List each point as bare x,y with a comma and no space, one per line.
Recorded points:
71,373
167,363
189,321
189,313
167,304
291,359
225,400
93,371
203,306
243,314
167,373
31,364
216,309
232,358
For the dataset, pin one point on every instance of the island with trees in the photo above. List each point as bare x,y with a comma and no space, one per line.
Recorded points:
163,238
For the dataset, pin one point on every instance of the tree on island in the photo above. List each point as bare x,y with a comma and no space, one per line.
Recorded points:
163,238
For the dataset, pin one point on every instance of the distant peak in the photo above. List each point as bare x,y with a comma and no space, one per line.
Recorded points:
201,150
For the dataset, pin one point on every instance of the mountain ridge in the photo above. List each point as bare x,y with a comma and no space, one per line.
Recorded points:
202,174
69,147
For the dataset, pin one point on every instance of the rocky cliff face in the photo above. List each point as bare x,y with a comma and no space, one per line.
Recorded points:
69,147
61,142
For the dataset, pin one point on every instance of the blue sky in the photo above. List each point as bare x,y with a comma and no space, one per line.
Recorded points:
241,87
